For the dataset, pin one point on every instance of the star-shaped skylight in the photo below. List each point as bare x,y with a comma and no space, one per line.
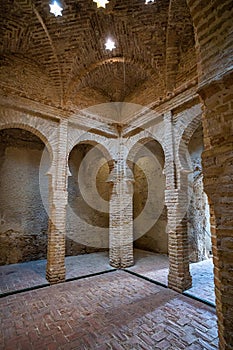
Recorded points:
55,9
110,45
101,3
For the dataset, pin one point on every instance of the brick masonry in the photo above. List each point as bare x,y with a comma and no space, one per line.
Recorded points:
52,68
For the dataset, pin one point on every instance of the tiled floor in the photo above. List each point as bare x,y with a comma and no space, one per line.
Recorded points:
113,311
151,265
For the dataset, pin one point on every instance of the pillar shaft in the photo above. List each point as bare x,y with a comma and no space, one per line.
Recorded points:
179,277
55,271
121,213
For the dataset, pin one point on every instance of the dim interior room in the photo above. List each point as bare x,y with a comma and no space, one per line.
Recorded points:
116,174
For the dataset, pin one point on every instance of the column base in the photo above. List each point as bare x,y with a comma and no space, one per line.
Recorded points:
55,274
178,283
121,259
115,264
121,264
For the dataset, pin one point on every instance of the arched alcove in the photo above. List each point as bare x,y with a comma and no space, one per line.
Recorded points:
149,212
88,200
24,162
198,212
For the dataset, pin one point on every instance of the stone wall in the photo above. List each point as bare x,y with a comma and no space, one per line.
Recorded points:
88,201
148,199
198,212
24,220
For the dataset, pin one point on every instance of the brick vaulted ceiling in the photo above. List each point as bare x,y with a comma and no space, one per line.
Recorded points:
62,61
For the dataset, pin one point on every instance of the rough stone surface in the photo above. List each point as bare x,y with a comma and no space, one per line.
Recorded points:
198,213
148,198
24,221
88,201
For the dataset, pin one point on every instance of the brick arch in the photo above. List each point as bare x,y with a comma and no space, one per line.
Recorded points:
41,127
91,139
33,130
142,141
183,164
188,132
143,138
139,65
204,21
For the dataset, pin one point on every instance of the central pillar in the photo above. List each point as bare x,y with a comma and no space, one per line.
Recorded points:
121,213
58,197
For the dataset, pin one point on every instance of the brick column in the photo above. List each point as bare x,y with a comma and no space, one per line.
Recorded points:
121,213
179,277
218,183
58,197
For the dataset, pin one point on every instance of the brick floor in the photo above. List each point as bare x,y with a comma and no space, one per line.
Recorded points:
20,276
147,264
29,274
155,267
115,311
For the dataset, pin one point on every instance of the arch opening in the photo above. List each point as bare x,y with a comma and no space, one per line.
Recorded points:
24,163
149,211
198,212
88,199
199,227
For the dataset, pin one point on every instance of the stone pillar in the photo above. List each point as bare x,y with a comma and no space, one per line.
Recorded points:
58,197
218,183
121,213
179,277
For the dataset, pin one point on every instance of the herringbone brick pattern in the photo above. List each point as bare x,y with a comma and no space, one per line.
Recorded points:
114,311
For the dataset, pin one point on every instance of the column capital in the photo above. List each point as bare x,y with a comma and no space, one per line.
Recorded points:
167,116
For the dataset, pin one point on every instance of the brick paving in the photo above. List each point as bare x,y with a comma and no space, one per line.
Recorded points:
154,266
29,274
24,275
114,311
